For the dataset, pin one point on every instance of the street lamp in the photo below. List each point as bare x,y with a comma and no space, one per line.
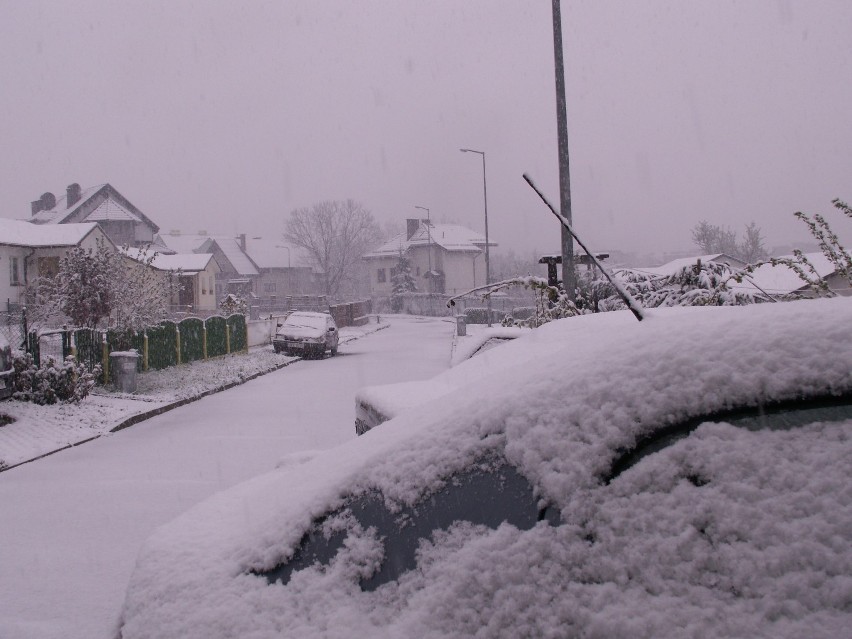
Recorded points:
485,198
429,243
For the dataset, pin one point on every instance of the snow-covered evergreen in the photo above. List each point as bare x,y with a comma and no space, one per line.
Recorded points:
402,280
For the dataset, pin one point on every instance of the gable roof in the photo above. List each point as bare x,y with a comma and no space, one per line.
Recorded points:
271,253
22,233
450,237
178,242
61,211
114,206
189,263
781,279
230,248
669,268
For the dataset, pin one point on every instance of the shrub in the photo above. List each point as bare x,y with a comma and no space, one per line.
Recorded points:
67,382
480,316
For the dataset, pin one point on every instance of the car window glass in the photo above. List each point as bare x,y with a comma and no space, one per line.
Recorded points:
780,416
304,321
488,495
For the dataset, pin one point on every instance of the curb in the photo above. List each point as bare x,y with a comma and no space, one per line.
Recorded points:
141,417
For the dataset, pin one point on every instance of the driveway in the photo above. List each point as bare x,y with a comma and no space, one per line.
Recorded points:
73,522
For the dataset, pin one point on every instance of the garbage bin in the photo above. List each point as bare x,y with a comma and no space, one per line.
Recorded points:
461,327
123,367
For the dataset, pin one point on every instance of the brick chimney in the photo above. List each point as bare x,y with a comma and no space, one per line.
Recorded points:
242,238
411,227
72,194
46,202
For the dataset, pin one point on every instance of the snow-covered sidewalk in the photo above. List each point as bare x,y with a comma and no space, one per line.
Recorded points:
36,431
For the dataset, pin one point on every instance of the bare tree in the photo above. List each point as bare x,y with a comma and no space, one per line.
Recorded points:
711,239
334,235
751,249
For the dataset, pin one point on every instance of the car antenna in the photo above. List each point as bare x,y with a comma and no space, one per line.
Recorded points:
626,297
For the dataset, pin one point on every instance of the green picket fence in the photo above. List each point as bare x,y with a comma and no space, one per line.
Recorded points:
166,345
237,331
191,339
217,340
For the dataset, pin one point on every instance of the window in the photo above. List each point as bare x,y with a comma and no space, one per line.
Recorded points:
269,287
380,276
14,273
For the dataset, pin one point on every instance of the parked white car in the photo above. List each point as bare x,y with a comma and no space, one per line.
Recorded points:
686,476
306,333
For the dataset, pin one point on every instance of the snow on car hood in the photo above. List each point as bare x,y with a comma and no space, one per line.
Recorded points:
565,398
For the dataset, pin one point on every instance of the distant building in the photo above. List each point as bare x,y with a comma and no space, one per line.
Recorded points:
673,266
119,219
197,271
445,258
782,280
255,267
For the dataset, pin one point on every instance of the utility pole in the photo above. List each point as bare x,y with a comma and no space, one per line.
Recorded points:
564,175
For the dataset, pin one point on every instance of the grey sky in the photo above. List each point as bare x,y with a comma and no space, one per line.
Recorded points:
225,116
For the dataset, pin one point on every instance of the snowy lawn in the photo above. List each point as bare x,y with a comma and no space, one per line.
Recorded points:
728,532
39,430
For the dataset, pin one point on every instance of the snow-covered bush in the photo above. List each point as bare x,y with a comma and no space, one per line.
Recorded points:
231,304
68,382
700,284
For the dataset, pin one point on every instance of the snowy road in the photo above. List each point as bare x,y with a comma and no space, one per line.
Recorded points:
71,524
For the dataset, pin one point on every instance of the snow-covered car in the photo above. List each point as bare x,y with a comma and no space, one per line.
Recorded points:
306,333
686,476
6,369
375,405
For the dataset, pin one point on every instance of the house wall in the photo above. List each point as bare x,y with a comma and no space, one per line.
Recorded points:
10,291
204,288
464,271
385,264
121,232
28,262
458,267
281,282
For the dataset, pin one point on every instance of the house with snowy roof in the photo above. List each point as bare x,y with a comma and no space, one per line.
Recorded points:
196,272
122,222
28,251
445,258
672,267
782,280
249,266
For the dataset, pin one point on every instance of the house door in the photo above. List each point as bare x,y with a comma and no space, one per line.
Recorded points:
186,297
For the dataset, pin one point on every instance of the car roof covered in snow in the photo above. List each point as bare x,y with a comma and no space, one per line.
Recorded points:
578,391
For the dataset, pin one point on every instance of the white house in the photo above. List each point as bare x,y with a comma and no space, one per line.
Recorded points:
445,258
198,273
28,251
